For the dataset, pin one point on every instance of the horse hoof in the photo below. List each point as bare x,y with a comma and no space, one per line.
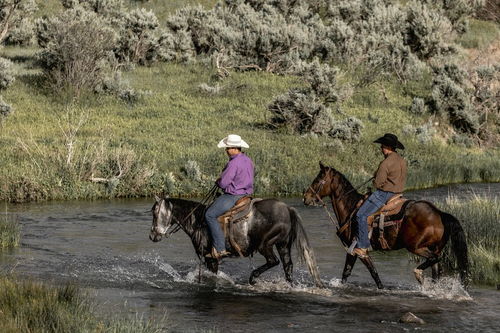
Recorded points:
419,275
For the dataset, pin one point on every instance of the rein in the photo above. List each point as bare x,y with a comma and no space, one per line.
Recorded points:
210,195
322,182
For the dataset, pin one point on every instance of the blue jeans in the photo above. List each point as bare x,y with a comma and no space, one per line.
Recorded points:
376,200
221,205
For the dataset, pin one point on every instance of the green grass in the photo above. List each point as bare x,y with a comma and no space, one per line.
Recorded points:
9,232
480,34
155,138
479,218
27,306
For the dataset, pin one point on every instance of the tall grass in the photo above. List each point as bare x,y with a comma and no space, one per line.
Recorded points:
480,219
9,232
53,150
28,306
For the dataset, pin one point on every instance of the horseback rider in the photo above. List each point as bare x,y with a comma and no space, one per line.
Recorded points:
236,181
389,179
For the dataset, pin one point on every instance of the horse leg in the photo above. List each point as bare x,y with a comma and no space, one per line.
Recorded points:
436,271
212,264
431,260
350,260
286,261
271,261
367,260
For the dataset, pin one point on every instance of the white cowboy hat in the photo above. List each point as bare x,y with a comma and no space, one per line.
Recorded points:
232,140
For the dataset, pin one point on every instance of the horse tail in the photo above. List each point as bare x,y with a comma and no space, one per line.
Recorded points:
303,247
453,228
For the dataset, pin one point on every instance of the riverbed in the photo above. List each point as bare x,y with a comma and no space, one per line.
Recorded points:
103,246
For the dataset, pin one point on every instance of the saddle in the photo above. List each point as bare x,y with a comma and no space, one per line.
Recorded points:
241,211
390,214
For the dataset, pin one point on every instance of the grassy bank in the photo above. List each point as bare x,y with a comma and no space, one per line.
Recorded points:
167,140
480,219
54,149
28,306
9,232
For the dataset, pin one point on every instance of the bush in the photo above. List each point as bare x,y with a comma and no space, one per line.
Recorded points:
307,110
140,40
22,34
76,48
5,109
418,106
348,130
427,32
452,99
6,73
14,14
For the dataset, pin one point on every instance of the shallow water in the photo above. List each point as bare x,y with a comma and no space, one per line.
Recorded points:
104,246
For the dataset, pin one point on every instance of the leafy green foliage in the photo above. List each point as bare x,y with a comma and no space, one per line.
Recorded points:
76,47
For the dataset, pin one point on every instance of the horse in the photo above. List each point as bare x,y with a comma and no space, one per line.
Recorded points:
424,230
270,224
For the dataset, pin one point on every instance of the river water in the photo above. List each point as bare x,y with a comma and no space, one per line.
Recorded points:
104,247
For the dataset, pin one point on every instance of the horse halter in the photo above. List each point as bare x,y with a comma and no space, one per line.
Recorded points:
322,182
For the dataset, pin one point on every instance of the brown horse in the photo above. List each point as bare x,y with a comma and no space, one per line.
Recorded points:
424,230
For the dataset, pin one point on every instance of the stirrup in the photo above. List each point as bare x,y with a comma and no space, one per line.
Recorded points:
217,255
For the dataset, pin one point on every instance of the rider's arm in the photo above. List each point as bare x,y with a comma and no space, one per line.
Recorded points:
227,176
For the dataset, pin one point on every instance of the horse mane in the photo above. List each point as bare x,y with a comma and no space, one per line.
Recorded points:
353,196
199,235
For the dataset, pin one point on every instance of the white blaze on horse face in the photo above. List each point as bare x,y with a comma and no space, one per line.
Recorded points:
163,218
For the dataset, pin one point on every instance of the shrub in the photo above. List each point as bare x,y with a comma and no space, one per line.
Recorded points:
5,109
6,73
22,34
75,49
307,110
451,98
140,41
192,171
347,130
418,106
13,13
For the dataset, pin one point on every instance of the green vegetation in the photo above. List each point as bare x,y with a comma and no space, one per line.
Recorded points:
479,217
27,306
9,232
480,34
133,130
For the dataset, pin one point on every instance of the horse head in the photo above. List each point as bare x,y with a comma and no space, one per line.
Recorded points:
320,187
163,219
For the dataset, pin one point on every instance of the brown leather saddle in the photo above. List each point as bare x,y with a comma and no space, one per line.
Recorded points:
241,211
390,214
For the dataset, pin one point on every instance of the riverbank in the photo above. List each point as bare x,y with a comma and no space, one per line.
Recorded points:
31,306
167,141
479,218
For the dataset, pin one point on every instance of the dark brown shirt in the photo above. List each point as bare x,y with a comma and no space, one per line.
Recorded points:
391,174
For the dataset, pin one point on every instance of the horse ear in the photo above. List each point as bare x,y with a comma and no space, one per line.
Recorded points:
321,165
157,198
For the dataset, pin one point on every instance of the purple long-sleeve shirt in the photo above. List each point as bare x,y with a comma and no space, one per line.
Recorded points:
237,176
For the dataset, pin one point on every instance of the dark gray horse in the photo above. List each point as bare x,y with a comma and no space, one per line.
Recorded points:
271,224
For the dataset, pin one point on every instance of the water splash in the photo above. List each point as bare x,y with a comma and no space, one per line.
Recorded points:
445,288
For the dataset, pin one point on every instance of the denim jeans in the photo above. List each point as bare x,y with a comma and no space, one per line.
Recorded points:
221,205
376,200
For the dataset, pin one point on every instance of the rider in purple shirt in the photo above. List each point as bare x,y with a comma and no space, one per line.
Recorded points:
237,176
236,181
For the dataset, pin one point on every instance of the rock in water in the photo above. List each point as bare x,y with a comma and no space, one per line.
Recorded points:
410,318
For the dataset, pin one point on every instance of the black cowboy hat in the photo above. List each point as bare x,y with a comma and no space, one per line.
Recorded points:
390,140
